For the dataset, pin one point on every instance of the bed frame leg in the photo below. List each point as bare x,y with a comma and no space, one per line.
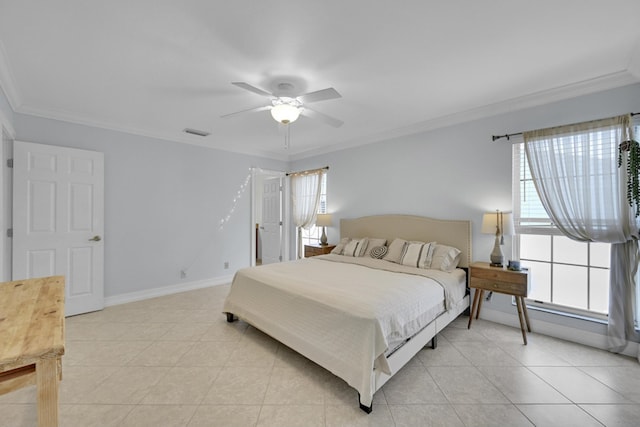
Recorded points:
365,408
434,342
230,318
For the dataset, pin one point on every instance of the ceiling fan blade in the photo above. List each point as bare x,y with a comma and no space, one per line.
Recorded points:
313,114
249,110
319,95
253,89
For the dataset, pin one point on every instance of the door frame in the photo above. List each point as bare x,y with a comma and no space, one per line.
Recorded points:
7,136
257,174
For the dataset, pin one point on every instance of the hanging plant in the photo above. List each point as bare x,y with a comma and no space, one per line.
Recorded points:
633,171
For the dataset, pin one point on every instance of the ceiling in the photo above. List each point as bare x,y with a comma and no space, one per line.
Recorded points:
155,67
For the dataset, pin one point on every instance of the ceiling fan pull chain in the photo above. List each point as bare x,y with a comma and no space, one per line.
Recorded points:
287,137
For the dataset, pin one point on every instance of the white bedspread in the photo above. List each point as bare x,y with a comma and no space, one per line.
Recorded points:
340,314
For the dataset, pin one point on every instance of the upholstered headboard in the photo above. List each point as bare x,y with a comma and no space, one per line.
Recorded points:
456,233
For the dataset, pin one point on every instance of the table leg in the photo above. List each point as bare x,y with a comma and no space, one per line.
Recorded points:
47,387
480,303
521,318
476,295
526,313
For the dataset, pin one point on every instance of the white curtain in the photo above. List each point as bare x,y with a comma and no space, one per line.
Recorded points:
305,198
576,174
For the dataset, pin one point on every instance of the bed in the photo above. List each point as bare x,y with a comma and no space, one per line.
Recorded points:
359,317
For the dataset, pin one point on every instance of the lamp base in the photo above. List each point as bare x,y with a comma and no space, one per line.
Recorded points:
323,238
496,256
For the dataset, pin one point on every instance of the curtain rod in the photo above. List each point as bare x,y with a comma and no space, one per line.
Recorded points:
509,135
307,171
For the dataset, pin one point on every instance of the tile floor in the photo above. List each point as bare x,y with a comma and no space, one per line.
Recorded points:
175,361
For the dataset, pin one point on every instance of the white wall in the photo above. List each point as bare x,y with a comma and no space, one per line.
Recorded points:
163,204
455,172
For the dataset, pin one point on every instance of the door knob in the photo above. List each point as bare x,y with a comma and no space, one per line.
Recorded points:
95,239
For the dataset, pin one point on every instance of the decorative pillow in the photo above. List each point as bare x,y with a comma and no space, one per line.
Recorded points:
340,246
363,247
417,254
394,253
355,247
445,258
373,243
378,252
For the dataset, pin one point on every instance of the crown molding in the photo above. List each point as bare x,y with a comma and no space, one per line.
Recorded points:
597,84
634,61
625,77
5,124
573,90
165,136
10,89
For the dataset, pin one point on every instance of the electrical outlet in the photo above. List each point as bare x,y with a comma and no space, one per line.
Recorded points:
183,273
226,265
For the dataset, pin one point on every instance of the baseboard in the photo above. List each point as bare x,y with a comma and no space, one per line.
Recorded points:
557,331
165,290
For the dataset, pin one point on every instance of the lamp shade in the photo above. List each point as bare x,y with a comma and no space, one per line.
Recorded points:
285,113
491,220
323,220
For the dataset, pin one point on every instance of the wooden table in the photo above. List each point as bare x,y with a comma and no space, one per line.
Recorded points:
483,277
32,340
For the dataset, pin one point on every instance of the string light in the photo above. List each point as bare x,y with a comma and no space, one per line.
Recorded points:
237,197
223,221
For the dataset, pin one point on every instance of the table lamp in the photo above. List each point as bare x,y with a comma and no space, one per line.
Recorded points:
323,220
500,224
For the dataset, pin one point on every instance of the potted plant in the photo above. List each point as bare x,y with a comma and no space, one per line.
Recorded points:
631,147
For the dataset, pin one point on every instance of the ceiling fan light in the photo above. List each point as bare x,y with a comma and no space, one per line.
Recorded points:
285,113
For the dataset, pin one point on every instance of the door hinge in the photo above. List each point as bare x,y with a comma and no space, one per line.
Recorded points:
280,222
280,258
9,163
9,232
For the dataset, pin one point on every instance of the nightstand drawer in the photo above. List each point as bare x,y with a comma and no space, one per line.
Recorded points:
518,289
500,275
482,276
313,250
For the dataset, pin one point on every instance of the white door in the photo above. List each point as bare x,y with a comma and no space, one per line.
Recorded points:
271,221
58,220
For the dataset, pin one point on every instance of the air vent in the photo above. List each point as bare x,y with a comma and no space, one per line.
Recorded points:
196,132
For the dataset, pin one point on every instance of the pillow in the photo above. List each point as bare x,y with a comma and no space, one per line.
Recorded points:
373,243
340,246
394,253
445,258
417,254
355,247
363,246
378,252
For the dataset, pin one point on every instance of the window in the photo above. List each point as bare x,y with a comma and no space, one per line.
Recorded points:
566,275
312,235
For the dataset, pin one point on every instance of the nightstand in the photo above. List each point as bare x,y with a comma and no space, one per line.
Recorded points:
313,250
497,279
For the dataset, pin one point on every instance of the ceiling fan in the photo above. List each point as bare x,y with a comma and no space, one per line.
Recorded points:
287,109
